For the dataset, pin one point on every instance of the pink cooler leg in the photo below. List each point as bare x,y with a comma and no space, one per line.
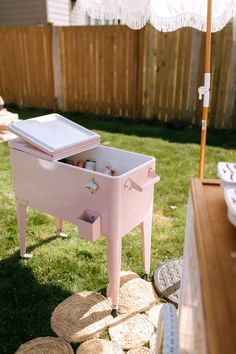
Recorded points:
59,226
21,216
114,245
146,238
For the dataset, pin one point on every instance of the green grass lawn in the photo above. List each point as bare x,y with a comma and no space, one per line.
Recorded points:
31,289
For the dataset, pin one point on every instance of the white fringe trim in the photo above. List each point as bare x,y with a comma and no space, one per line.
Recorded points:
190,20
136,23
160,23
98,12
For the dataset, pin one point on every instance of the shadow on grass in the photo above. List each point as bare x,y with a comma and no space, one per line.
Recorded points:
25,305
40,243
173,132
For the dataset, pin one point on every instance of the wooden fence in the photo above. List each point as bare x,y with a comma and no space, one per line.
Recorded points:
26,66
118,71
98,68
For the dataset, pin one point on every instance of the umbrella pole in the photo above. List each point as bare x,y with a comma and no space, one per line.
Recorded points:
204,90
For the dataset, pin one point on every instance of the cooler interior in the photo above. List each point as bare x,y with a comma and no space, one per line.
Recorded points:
120,161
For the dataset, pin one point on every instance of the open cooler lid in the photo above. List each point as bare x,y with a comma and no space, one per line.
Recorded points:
57,136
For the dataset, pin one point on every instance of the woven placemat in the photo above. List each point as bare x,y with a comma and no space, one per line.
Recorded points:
136,294
141,350
45,345
152,342
81,316
167,280
99,346
153,314
126,276
132,333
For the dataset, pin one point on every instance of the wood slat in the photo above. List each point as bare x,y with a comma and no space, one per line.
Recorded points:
159,74
187,71
224,76
217,49
119,66
193,87
143,68
171,78
215,239
139,77
200,81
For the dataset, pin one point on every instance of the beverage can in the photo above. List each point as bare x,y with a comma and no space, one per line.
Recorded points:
109,171
70,162
80,163
90,165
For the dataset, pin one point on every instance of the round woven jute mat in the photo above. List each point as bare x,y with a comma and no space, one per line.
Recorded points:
126,276
133,332
153,314
81,316
45,345
136,294
152,342
99,346
167,280
141,350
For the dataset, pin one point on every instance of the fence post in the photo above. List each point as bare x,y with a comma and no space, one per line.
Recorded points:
57,73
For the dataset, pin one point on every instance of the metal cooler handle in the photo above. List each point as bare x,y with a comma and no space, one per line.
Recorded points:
129,183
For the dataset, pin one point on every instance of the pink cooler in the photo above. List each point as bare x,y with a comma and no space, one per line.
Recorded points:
99,204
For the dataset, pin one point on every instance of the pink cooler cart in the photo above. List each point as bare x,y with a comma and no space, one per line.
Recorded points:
98,203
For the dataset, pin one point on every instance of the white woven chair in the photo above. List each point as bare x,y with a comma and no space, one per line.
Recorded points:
167,338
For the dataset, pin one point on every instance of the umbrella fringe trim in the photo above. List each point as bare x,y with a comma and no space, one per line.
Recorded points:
100,13
160,23
191,20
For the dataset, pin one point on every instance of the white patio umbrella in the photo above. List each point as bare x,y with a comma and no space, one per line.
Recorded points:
170,15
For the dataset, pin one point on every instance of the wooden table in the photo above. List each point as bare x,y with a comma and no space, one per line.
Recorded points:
207,311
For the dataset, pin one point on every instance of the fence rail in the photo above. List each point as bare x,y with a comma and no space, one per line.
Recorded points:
117,71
